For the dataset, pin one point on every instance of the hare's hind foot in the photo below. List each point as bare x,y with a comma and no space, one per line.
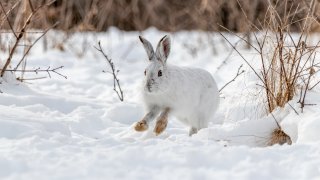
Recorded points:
192,131
162,122
141,126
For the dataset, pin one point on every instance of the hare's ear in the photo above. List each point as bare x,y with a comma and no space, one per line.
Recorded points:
163,49
148,47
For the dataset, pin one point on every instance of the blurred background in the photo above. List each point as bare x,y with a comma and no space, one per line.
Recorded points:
138,15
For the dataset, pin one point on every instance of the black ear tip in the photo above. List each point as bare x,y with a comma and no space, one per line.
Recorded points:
167,37
141,38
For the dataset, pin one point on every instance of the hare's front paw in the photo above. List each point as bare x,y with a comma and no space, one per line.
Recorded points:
160,126
141,126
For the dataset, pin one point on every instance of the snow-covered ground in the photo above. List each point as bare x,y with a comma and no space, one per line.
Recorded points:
77,128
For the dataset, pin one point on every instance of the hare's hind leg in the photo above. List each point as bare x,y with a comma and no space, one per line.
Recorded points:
200,123
162,121
143,124
192,131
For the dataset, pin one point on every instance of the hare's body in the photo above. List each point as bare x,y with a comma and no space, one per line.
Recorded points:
190,94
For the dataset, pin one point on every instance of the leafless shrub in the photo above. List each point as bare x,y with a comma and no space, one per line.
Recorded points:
287,63
239,72
19,33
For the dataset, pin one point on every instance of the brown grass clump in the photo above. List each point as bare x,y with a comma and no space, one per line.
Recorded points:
286,67
288,61
278,136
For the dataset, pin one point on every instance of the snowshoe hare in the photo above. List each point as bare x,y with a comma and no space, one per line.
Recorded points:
190,94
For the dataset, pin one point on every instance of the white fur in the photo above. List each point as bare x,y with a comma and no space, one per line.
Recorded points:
190,93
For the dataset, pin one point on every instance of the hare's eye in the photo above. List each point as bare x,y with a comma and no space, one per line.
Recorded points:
159,73
145,72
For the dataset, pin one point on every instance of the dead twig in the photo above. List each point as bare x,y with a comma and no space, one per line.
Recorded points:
114,72
224,62
244,59
29,47
314,85
31,79
38,70
6,15
31,6
311,73
8,12
29,32
235,77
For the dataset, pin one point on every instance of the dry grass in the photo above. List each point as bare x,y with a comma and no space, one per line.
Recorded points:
19,38
288,63
98,15
279,137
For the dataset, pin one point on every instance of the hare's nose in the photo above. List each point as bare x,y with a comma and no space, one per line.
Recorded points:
150,81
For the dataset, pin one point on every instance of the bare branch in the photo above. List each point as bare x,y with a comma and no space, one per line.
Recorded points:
314,85
116,81
39,70
274,118
8,12
29,47
8,20
245,60
242,38
228,56
303,97
30,79
232,80
31,6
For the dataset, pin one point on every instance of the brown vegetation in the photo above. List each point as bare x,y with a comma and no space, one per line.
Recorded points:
278,136
98,15
287,63
19,31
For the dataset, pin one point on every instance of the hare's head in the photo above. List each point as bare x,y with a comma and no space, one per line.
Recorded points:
156,73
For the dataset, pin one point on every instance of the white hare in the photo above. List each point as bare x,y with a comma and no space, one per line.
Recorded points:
190,94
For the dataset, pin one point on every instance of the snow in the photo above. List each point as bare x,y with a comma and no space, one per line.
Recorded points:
77,128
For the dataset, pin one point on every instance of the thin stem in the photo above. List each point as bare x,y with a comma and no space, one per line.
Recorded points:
232,80
116,81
